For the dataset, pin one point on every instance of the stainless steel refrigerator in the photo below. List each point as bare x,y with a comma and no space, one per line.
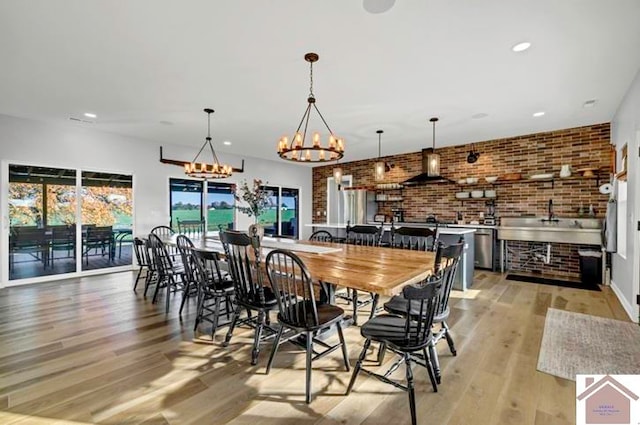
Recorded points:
360,206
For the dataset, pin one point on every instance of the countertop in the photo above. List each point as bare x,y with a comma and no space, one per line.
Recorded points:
387,227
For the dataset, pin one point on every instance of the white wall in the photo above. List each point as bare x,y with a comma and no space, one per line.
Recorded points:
66,145
625,128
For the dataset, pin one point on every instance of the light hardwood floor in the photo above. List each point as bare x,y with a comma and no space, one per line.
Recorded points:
94,351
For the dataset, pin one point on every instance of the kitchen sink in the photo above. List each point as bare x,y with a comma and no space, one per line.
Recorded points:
574,230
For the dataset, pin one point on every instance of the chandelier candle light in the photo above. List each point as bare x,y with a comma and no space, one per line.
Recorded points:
298,149
202,170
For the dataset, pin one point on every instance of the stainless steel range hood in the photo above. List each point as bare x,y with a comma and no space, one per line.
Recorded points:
425,178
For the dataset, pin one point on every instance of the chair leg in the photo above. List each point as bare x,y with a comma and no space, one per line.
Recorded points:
345,355
354,298
216,314
432,375
447,334
147,281
199,311
433,355
256,338
135,285
411,390
159,281
381,352
166,302
185,295
274,349
234,319
308,374
374,305
356,370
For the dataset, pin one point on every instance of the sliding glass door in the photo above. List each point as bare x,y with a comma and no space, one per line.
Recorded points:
45,205
42,221
107,218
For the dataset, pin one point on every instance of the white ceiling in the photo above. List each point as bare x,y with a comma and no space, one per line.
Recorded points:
149,67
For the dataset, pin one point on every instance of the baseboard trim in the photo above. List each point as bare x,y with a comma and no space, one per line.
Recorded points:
625,303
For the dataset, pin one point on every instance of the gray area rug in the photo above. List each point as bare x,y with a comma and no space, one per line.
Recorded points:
575,343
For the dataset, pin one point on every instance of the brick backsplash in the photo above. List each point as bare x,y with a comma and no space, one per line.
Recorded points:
546,152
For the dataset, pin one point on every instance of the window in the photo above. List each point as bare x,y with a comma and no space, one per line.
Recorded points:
220,206
186,200
282,215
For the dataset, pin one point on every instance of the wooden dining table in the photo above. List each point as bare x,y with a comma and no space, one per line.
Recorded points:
378,270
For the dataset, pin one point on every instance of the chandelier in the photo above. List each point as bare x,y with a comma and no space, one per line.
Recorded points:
203,170
298,149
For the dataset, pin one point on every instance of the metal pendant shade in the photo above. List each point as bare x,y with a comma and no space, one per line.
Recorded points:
380,166
433,159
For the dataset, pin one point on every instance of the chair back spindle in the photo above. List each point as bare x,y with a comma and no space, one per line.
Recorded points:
415,238
291,282
425,297
243,257
364,235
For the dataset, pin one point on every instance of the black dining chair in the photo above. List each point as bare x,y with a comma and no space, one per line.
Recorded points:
415,238
185,245
321,236
243,258
446,266
214,286
404,335
366,235
142,259
163,231
152,274
298,310
170,274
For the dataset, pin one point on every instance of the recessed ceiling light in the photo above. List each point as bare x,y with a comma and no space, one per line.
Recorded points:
538,114
521,47
90,115
589,103
479,115
164,122
377,6
227,143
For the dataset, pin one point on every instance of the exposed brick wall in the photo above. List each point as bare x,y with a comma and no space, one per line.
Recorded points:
580,147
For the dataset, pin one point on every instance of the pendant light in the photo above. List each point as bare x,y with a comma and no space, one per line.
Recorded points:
337,175
202,169
380,165
433,159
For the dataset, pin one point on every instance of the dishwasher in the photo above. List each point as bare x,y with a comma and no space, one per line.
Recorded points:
484,240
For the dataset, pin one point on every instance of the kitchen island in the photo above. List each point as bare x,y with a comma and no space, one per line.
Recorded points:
448,235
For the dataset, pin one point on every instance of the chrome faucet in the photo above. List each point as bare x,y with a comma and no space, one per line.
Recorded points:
552,216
